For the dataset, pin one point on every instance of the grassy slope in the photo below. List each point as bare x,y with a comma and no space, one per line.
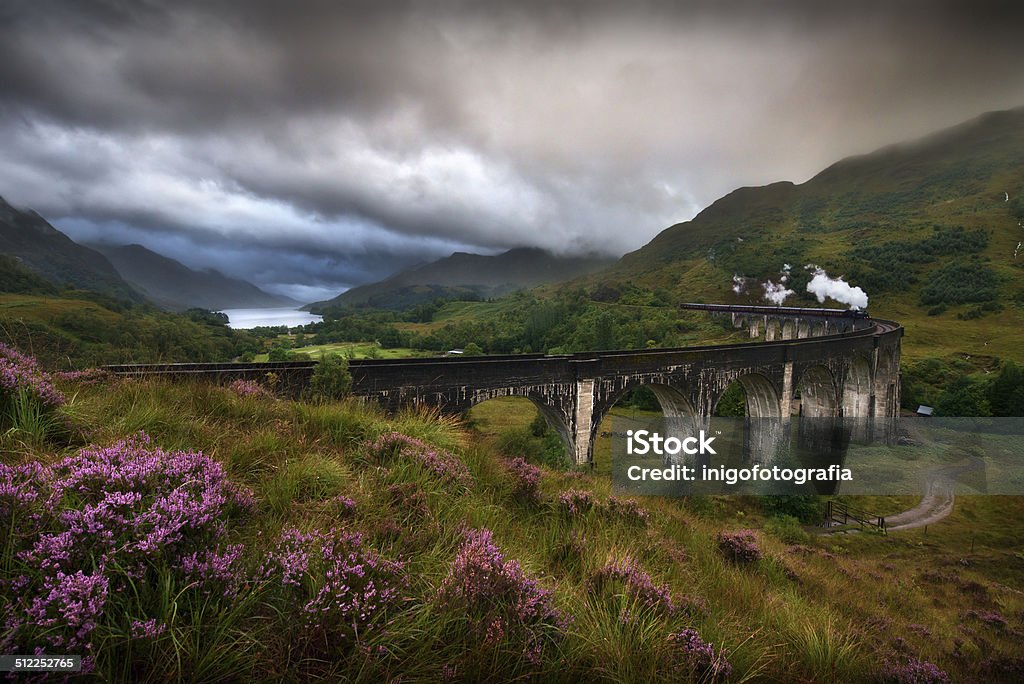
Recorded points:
832,608
355,350
956,177
72,331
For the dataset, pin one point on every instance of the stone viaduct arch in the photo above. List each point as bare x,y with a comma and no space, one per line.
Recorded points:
850,372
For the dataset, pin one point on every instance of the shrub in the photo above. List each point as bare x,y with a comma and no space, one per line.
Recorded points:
346,589
740,547
393,446
501,601
788,529
915,672
960,283
806,508
628,511
28,398
625,577
525,479
98,524
699,656
331,379
249,388
577,501
88,376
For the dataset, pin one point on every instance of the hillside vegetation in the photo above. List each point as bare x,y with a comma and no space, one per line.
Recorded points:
172,285
464,276
38,246
929,229
74,330
256,538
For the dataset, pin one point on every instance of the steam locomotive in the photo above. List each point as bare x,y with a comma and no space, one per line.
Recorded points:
778,310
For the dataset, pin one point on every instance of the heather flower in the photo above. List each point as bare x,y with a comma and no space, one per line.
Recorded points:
120,511
350,587
628,510
148,629
500,599
988,617
740,547
346,505
249,389
359,586
577,501
21,373
290,557
396,446
699,656
88,376
449,673
215,566
915,672
19,488
626,577
525,479
69,605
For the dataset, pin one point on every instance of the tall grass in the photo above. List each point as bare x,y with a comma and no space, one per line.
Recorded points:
800,613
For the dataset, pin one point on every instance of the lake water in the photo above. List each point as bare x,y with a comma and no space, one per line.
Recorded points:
252,318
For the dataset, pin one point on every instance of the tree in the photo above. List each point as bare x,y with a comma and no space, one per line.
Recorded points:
277,354
733,402
965,396
1006,392
331,379
472,349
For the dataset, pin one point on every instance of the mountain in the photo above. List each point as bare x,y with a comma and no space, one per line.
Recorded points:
173,285
36,245
468,276
932,230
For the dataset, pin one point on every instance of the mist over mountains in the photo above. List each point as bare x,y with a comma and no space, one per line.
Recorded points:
172,285
129,273
466,276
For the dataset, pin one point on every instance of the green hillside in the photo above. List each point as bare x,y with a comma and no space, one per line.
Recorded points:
464,276
35,244
296,541
172,285
928,229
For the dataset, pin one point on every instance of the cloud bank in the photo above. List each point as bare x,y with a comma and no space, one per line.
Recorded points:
315,146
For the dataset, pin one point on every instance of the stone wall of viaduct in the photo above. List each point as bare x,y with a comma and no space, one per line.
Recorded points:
852,374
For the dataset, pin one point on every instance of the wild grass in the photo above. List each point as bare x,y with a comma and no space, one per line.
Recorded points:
811,609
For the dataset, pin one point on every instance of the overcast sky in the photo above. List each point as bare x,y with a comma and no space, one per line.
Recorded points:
310,146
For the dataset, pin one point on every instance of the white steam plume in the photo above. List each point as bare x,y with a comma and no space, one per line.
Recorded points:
822,286
738,284
776,293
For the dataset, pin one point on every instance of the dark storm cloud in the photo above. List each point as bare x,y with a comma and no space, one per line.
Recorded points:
303,143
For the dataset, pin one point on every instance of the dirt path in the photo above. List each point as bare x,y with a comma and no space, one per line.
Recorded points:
938,498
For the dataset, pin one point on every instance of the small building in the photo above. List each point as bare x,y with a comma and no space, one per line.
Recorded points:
455,352
924,410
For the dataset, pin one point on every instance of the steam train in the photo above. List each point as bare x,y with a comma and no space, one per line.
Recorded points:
778,310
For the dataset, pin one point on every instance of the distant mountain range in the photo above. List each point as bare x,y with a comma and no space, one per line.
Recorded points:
35,249
172,285
41,248
464,275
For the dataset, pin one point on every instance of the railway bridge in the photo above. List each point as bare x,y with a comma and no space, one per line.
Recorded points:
841,365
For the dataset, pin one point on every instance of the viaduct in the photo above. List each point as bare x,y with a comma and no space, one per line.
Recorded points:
841,365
